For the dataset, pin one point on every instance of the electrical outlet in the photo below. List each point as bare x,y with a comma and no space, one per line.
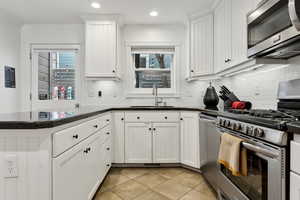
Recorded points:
11,168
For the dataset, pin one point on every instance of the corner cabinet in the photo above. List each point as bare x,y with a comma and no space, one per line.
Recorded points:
201,46
101,49
190,141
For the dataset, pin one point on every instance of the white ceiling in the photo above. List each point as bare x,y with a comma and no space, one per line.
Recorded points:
133,11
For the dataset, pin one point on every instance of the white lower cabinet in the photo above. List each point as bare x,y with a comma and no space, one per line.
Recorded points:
294,186
138,143
118,137
78,172
190,149
166,143
152,143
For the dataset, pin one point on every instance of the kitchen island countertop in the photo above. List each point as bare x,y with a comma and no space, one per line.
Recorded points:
50,119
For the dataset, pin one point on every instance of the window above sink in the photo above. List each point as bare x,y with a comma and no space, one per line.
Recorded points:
152,65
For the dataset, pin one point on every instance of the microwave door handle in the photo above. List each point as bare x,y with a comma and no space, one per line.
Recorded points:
294,11
261,150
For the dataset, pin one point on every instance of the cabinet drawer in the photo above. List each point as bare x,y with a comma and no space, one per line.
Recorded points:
295,152
67,138
152,116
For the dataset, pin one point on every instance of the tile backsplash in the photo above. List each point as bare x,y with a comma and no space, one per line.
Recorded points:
260,86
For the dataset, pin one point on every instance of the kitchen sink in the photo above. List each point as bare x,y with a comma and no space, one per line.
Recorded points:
152,106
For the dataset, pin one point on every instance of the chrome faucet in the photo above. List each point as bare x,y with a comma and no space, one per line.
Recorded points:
158,100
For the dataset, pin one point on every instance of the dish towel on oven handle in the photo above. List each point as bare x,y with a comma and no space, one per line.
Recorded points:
232,155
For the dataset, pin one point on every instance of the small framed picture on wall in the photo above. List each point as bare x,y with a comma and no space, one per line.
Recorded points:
9,77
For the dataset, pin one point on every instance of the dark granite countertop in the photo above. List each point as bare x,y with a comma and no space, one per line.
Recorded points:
49,119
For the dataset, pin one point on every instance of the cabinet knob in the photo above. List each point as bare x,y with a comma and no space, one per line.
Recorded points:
166,117
75,136
107,133
154,129
138,117
114,71
96,126
122,119
192,71
107,120
107,148
150,129
107,165
181,119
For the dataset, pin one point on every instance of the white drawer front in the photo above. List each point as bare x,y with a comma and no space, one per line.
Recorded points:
152,116
295,152
67,138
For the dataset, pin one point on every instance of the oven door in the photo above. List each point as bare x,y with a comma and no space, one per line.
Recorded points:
272,25
266,174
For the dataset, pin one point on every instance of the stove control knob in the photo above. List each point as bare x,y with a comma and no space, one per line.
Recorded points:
255,132
228,124
220,122
239,127
234,125
260,132
249,130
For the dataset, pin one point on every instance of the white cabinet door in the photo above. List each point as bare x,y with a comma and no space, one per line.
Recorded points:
78,172
69,175
228,32
202,46
95,159
166,143
101,49
219,37
118,137
138,143
294,186
240,8
190,139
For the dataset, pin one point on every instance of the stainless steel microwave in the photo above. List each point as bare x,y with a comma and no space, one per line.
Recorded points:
274,29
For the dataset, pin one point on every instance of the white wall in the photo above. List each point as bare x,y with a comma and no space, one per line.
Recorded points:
9,55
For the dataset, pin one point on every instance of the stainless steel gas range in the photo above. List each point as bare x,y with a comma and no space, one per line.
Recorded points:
267,161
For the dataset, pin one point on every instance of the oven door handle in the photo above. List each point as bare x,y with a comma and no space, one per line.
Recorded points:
261,150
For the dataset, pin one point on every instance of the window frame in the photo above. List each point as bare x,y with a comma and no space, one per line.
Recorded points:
147,92
36,103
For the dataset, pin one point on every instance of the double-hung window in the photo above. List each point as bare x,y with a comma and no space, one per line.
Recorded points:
153,66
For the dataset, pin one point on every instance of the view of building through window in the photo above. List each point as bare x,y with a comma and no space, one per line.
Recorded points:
56,75
153,69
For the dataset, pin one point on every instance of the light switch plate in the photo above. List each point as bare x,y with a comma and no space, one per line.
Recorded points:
11,168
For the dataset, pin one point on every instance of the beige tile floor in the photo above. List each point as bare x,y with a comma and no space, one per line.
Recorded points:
154,184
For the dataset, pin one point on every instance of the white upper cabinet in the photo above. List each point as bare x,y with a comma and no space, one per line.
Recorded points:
101,42
201,44
230,33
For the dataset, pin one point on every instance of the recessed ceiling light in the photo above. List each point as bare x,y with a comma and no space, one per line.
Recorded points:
153,13
95,4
